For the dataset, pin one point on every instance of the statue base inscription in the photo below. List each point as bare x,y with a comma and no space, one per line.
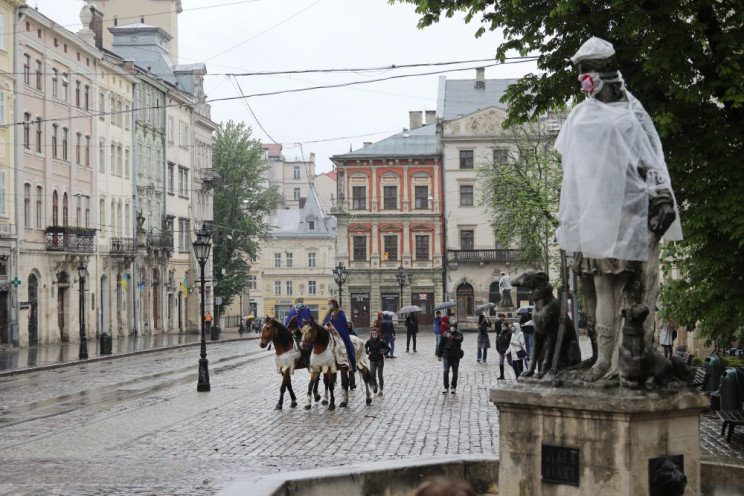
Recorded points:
579,441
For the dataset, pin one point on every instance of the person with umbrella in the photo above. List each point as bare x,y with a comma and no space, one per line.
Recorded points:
411,330
483,342
388,333
437,329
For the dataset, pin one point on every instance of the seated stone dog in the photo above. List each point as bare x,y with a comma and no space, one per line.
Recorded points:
547,315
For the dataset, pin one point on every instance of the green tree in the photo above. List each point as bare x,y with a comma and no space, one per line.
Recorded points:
683,59
521,192
242,203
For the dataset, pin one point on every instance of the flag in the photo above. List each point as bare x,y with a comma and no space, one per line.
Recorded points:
185,288
124,284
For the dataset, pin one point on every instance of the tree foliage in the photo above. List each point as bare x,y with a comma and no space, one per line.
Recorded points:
242,202
683,60
521,193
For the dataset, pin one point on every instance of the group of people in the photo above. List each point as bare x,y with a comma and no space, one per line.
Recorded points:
513,341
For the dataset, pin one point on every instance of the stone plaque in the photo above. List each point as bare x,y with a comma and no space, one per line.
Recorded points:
560,465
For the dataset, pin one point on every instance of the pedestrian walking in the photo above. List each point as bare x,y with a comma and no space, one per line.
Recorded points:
411,330
376,349
528,329
208,321
437,329
515,354
483,341
503,339
666,338
388,333
501,324
449,353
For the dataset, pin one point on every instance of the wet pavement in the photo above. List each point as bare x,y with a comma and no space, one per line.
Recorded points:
136,425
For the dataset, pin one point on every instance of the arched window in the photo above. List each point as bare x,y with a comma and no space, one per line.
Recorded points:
465,298
65,211
55,209
494,294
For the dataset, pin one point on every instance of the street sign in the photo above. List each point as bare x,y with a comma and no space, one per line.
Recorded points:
15,282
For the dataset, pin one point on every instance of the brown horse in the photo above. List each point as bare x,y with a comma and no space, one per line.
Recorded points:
288,358
323,361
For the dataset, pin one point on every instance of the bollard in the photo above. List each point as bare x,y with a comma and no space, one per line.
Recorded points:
106,343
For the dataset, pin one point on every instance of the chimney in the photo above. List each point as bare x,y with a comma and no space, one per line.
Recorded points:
431,116
415,117
480,78
96,25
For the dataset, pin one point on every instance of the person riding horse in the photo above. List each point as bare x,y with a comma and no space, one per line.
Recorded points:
337,319
298,315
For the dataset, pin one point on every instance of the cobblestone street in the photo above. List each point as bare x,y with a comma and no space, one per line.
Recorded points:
136,425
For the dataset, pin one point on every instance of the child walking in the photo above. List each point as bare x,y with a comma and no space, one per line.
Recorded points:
376,349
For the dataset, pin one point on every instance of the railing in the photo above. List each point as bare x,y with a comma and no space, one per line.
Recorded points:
494,255
210,177
122,246
163,241
70,239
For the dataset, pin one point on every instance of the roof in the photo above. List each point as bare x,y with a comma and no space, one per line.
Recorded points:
459,97
273,150
414,143
295,222
331,174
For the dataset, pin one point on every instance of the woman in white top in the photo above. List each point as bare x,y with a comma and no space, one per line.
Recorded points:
666,338
515,353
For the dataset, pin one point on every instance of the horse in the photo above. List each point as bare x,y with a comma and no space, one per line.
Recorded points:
323,361
287,358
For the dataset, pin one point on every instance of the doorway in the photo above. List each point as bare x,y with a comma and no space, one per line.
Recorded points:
390,302
104,303
63,284
465,298
426,302
155,299
33,310
360,309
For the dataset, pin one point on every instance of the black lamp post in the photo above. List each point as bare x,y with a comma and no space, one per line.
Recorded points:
403,281
83,338
201,251
340,273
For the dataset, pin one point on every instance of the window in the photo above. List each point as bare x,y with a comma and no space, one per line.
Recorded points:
466,196
171,130
183,134
78,144
27,205
289,288
467,240
39,206
358,197
27,131
171,177
311,225
55,132
78,209
466,159
183,181
390,244
112,103
38,135
86,100
500,157
102,216
296,194
390,197
290,258
126,163
3,193
119,115
296,172
311,260
65,211
77,94
87,211
422,197
65,86
55,82
87,151
39,74
26,69
119,160
2,31
101,156
277,260
183,235
277,288
2,103
422,247
101,106
360,248
312,288
112,164
251,282
126,117
65,139
55,209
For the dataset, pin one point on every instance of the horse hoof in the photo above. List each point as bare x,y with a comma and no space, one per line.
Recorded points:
342,405
324,402
278,407
331,407
307,407
369,401
293,404
317,398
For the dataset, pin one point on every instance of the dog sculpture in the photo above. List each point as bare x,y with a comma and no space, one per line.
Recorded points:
547,316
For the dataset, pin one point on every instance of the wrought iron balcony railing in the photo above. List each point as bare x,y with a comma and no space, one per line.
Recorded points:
160,241
70,239
494,255
122,246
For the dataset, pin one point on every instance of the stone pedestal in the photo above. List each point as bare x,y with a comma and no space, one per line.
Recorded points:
581,441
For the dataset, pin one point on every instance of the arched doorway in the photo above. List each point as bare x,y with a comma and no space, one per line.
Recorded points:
494,295
105,307
63,284
33,310
465,300
155,299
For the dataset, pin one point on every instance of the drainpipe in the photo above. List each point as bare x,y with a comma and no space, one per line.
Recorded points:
14,299
135,169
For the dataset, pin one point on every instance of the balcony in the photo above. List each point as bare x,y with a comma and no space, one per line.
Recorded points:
159,241
494,255
210,178
70,239
122,246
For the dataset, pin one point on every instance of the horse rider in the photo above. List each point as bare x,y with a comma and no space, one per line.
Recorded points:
337,318
300,314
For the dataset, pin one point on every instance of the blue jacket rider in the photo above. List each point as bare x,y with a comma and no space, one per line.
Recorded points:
337,318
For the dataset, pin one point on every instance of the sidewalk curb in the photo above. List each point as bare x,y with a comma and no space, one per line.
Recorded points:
99,358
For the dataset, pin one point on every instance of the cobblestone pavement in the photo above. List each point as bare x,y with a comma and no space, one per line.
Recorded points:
136,425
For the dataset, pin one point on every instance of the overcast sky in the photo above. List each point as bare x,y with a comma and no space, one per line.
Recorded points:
234,36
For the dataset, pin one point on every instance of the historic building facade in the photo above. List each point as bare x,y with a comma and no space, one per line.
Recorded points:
389,213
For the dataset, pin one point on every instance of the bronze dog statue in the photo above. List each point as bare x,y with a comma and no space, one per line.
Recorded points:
547,315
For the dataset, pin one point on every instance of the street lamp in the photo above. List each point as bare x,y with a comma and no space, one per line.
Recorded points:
201,251
340,273
403,281
83,339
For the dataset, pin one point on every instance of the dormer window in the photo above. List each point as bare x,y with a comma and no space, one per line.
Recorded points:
311,225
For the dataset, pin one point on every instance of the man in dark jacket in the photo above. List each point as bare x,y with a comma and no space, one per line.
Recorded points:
448,353
411,331
388,333
376,349
502,344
